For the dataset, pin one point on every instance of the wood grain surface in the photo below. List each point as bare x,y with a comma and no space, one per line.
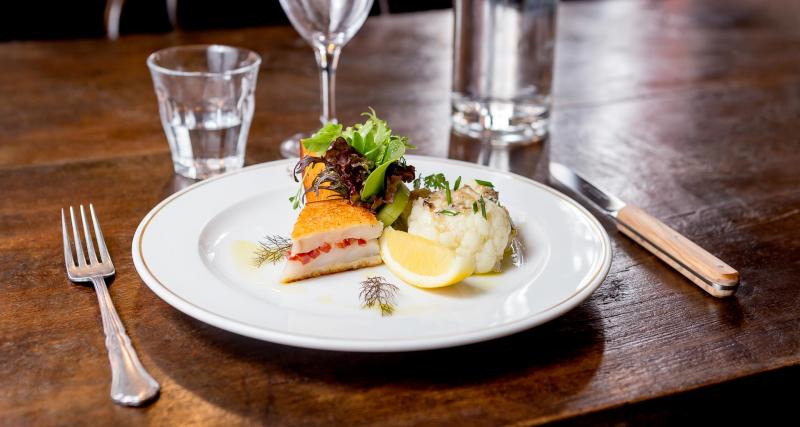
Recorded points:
687,108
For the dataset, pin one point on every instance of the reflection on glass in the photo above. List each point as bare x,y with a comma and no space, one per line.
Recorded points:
528,160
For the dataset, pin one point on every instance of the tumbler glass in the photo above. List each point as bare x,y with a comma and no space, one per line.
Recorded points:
503,69
206,101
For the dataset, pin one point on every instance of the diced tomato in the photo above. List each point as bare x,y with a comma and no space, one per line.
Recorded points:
347,242
307,257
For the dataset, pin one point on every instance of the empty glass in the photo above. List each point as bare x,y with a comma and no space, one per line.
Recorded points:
206,100
503,69
327,25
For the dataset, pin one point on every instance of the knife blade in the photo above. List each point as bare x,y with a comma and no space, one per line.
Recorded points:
704,269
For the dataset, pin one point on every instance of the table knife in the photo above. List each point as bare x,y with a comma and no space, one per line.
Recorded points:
704,269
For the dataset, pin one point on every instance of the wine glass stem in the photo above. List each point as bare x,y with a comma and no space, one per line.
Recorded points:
327,59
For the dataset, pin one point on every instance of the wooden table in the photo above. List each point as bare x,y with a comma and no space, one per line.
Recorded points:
690,109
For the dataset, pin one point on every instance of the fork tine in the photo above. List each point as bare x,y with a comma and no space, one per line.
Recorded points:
68,260
76,239
101,241
89,244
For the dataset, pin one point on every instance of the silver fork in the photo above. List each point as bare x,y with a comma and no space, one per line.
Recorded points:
131,385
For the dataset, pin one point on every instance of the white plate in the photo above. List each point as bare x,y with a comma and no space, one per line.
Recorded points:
194,251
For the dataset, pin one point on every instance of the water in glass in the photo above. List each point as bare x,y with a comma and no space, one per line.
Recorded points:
207,142
206,100
502,71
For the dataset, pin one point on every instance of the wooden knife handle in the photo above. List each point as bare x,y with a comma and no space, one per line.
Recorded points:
704,269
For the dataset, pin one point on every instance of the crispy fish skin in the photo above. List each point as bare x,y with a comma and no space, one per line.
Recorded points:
332,215
331,222
328,220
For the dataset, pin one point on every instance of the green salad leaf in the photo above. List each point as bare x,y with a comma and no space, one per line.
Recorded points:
395,149
374,183
388,153
372,139
322,139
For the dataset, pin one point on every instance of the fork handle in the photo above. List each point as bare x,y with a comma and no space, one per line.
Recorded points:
131,385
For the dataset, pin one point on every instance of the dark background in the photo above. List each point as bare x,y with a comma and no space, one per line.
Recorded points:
63,19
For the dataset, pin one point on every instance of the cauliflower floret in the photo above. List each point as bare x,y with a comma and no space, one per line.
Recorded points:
461,228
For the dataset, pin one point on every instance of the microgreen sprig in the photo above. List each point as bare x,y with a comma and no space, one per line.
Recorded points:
297,199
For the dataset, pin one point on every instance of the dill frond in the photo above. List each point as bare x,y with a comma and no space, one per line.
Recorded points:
271,250
377,292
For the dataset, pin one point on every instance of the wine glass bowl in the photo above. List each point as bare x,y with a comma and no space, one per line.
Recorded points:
327,25
327,22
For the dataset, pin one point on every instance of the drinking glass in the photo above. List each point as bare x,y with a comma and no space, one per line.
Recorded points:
206,101
327,25
503,69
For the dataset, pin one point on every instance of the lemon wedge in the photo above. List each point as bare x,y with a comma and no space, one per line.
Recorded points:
422,262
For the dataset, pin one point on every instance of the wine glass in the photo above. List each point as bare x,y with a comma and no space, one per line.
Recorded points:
327,25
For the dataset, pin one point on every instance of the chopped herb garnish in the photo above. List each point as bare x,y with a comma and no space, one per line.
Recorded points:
474,207
484,183
447,212
447,193
271,250
417,182
457,184
483,207
377,292
435,182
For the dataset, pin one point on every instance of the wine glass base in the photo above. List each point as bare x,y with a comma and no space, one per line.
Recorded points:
290,147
